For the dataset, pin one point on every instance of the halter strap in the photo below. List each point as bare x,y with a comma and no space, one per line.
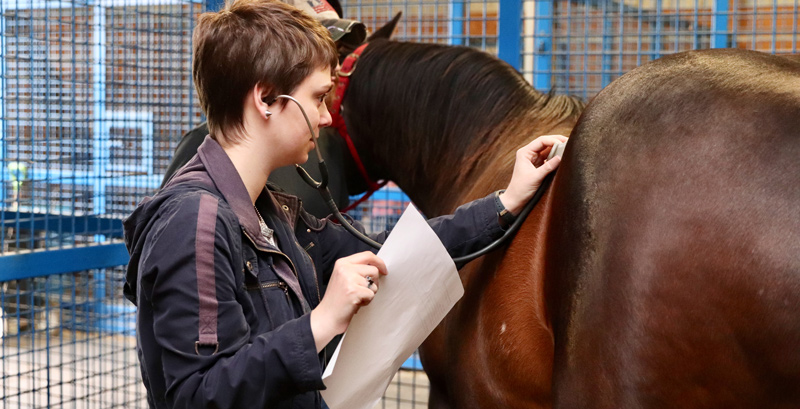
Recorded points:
344,73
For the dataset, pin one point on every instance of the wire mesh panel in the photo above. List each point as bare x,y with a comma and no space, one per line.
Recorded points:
579,47
472,23
92,95
68,343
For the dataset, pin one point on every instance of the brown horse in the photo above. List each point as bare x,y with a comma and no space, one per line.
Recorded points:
661,269
444,124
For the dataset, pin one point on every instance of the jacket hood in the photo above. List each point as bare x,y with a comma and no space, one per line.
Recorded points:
136,228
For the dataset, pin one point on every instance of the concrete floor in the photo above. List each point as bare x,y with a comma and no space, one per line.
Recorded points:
78,370
408,390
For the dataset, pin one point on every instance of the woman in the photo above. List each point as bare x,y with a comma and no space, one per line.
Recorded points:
230,312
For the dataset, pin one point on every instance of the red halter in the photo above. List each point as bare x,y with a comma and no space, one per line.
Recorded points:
344,74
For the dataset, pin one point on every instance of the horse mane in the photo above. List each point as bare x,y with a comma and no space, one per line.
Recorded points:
449,106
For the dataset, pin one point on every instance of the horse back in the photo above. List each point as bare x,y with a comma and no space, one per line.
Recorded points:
676,264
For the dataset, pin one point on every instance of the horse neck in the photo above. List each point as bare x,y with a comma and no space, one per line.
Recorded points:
439,184
444,123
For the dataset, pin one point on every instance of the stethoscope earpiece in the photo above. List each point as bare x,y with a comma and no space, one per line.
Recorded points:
267,112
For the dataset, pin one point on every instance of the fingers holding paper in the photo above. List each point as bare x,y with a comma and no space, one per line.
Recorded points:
353,284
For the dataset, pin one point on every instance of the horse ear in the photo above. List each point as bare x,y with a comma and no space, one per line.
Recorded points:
387,30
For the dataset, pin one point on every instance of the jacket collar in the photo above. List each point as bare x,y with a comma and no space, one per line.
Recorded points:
230,185
289,204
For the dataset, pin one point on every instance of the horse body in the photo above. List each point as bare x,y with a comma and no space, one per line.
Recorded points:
660,270
446,141
675,254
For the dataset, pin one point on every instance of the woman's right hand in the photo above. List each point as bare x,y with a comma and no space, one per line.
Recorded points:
348,290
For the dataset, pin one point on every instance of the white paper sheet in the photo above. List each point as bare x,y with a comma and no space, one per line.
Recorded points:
420,289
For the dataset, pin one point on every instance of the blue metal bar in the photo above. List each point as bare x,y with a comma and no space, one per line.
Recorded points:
74,79
387,193
543,45
48,120
4,177
214,5
656,49
585,73
83,225
774,26
100,146
754,30
456,22
676,24
608,40
621,13
660,24
3,133
734,16
509,40
794,27
696,26
61,261
639,34
133,179
719,24
413,363
485,30
567,55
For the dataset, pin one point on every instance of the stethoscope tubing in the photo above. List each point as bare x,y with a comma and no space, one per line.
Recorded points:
322,188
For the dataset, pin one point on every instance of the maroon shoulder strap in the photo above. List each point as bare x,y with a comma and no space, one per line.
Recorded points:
206,274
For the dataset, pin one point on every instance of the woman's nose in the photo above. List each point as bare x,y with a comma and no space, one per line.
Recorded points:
325,118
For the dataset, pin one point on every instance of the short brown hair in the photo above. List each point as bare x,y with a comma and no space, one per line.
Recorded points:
249,43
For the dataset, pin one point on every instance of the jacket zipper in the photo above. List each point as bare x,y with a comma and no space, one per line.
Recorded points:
283,286
291,264
279,284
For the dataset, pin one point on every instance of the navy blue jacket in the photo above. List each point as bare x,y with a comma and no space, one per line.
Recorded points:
223,316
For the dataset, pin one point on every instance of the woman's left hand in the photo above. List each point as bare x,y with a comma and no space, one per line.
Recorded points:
530,169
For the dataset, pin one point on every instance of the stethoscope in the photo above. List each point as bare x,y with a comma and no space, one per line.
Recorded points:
322,188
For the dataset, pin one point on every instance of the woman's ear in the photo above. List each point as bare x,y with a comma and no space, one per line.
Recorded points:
263,99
